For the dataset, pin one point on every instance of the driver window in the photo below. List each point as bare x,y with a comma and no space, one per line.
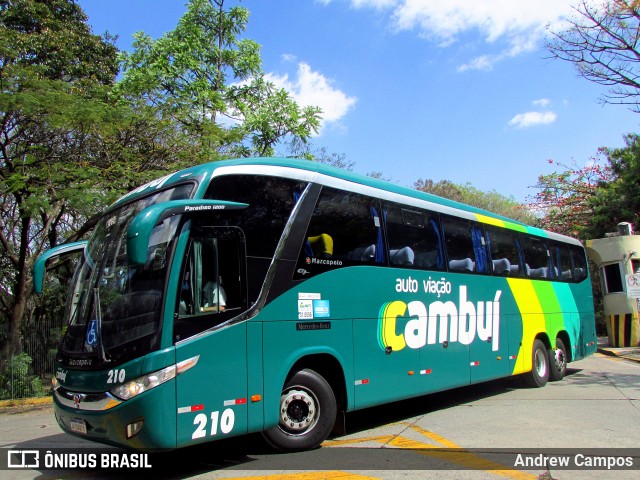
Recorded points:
211,288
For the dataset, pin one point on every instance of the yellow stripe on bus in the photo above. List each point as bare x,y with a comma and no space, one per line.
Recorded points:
533,321
496,222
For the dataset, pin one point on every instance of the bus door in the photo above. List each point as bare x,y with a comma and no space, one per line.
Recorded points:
212,395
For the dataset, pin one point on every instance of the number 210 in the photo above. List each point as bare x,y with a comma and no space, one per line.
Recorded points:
116,376
227,419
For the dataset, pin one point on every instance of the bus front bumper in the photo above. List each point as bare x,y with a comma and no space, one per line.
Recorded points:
137,423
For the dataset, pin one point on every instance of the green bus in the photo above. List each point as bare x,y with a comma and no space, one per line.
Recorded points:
271,295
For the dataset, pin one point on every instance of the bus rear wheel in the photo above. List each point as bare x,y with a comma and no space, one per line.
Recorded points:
307,413
557,361
539,374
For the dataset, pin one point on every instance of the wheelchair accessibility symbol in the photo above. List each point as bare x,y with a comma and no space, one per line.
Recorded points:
92,334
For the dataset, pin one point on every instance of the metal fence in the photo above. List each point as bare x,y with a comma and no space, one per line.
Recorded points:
28,373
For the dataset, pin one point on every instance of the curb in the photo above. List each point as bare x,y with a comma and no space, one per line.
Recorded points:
20,402
609,353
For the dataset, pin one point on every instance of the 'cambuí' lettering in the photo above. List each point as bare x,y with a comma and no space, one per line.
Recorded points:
439,322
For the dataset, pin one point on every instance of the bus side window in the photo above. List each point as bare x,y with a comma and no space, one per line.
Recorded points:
212,288
562,270
413,238
465,245
578,263
537,258
503,250
345,226
271,201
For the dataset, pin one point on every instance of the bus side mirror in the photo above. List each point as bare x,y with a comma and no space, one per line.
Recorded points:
142,227
53,254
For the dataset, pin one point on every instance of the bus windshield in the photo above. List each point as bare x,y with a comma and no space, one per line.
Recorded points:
114,309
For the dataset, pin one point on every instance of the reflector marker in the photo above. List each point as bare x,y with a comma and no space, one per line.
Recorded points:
474,364
512,357
425,372
185,365
192,408
237,401
364,381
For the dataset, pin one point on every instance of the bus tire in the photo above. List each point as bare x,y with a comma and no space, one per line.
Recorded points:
307,413
557,361
539,374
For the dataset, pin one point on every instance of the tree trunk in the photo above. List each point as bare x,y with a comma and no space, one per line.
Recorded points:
13,346
20,297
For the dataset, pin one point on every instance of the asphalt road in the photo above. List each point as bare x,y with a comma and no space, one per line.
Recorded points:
597,406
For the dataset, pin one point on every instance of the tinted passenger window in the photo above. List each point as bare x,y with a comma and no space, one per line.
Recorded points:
271,201
561,258
413,237
466,246
579,264
537,258
505,256
345,229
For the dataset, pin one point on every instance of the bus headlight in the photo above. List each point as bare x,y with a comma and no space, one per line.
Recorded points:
151,380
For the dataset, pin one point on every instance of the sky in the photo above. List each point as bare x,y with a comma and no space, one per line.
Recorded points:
458,90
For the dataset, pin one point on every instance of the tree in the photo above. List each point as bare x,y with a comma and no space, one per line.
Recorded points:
53,72
602,41
491,201
209,80
53,35
564,202
618,200
68,147
305,150
589,201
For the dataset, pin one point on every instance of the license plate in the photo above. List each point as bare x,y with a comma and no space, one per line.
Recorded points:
78,425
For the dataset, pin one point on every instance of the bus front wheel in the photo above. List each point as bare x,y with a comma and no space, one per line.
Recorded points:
307,413
539,374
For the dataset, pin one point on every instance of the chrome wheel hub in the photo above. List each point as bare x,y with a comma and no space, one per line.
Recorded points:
299,411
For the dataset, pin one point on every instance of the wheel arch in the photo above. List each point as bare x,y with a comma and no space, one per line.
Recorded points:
564,336
544,338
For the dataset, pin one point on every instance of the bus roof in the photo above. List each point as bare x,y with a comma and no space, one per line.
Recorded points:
202,173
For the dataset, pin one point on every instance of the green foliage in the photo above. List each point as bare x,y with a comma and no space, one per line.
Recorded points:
209,81
54,35
72,139
491,201
66,143
618,200
17,381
